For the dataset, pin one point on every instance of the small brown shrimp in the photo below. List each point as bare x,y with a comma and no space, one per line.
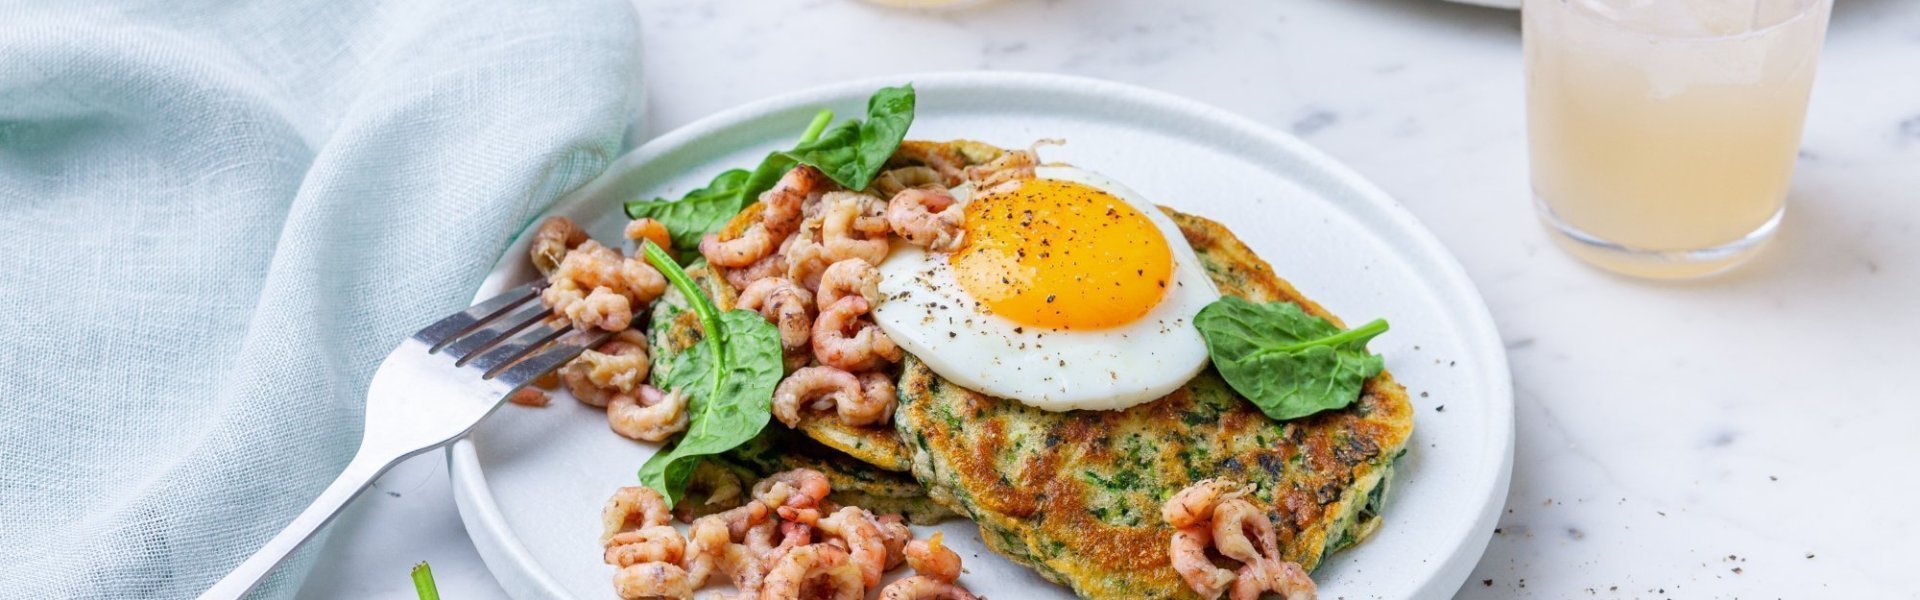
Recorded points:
771,265
746,568
707,543
798,488
615,367
551,242
937,568
866,544
561,295
921,587
878,394
602,308
820,570
644,282
574,375
788,306
595,287
1195,504
783,202
840,233
1273,575
649,230
652,580
1189,555
808,516
650,414
942,158
792,535
842,340
932,558
633,507
593,265
732,542
889,182
849,277
929,218
659,543
618,365
806,256
1243,533
812,386
529,396
894,531
762,537
1012,166
756,243
742,520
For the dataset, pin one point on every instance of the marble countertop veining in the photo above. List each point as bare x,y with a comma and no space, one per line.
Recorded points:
1749,436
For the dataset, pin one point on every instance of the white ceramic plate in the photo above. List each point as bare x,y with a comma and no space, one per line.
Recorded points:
530,482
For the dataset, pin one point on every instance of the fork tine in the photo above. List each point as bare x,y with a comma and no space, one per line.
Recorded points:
517,345
550,357
496,330
446,330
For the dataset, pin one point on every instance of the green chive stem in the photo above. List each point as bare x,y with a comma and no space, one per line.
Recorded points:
819,124
423,582
709,316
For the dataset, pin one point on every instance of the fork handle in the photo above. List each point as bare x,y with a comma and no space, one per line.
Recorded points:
362,470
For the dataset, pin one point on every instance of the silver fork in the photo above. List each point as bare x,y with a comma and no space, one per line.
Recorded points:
432,389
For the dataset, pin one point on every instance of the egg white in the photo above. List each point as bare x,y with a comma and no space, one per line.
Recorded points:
928,313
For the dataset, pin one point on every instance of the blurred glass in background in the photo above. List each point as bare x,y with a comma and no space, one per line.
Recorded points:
1663,133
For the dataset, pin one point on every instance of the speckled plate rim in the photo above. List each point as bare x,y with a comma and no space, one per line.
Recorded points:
521,575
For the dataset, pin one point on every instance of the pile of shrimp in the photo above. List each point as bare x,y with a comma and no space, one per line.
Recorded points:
808,264
1214,515
596,287
787,543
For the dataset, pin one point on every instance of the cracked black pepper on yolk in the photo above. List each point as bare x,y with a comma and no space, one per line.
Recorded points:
1064,255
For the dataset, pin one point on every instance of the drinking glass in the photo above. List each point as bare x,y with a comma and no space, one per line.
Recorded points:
1663,133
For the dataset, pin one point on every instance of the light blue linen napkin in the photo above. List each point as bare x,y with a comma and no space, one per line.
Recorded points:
217,217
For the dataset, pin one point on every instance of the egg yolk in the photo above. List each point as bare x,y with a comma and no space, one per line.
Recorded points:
1062,255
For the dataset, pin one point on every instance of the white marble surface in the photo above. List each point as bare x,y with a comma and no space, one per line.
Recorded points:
1744,437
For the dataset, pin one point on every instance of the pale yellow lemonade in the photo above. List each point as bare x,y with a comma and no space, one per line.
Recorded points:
1664,132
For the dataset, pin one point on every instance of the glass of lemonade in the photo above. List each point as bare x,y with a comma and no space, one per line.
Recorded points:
1663,133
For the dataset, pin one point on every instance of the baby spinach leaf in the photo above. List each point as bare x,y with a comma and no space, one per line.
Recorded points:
698,213
728,379
707,209
1289,363
852,152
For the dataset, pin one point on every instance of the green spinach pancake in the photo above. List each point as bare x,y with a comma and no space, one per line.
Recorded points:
1076,495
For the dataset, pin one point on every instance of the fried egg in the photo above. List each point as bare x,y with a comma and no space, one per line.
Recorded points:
1068,292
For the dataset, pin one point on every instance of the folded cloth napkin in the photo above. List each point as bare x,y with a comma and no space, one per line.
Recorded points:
217,217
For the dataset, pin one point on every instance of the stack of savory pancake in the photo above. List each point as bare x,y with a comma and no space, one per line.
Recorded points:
1077,494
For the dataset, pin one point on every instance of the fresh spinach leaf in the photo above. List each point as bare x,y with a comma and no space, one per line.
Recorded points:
728,378
707,209
853,152
698,213
1289,363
